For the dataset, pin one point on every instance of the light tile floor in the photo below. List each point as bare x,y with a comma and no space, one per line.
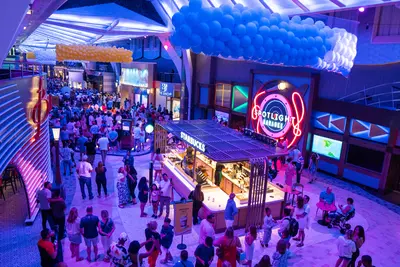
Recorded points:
380,219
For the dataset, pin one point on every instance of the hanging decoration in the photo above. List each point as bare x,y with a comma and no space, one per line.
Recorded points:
93,53
42,56
257,35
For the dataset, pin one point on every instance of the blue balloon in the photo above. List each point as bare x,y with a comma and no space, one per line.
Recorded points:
185,30
286,48
246,16
239,7
234,43
285,18
254,14
304,42
273,20
290,38
314,51
322,34
226,52
294,52
274,31
203,29
192,19
284,25
251,29
226,9
237,16
228,21
195,40
268,55
277,16
217,14
264,31
285,59
205,14
245,41
237,53
297,42
311,41
249,52
178,19
308,21
296,19
195,5
240,30
268,42
264,22
320,24
283,34
208,50
258,41
174,39
219,46
300,31
301,52
215,28
307,53
196,49
322,51
185,10
225,34
209,42
278,44
260,52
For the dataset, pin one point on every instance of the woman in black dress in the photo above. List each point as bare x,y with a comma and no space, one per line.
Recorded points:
198,197
143,195
101,180
131,176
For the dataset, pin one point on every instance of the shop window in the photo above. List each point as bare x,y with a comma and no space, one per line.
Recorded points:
365,158
204,96
223,95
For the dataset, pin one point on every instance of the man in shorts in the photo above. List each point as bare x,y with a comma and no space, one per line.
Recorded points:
88,227
104,146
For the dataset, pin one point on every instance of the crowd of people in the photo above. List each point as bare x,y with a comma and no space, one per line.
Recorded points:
89,120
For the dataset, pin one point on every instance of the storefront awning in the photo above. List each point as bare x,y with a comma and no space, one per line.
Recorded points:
221,144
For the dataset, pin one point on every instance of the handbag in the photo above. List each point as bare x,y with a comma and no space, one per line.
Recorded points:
220,253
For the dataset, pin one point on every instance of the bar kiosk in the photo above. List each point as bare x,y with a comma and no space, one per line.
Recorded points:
223,161
126,137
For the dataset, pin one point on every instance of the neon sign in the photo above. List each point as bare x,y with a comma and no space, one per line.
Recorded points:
277,117
197,144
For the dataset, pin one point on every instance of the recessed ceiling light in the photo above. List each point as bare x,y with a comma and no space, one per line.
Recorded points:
24,27
361,9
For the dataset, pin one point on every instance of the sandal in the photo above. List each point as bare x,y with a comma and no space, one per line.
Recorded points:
300,245
296,239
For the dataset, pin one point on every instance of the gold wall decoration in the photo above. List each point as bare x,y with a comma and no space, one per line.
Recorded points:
93,53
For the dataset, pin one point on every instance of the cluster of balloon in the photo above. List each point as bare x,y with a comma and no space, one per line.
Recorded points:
93,53
41,56
258,35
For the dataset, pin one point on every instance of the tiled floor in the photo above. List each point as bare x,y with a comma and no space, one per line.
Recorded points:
380,219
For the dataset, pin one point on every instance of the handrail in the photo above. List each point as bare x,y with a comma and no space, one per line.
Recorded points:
19,69
376,95
366,89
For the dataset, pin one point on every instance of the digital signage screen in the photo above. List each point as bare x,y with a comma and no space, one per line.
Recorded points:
327,147
135,77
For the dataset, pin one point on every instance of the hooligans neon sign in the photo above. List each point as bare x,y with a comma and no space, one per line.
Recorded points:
278,117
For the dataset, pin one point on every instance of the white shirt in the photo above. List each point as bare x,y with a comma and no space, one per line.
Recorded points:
166,188
84,169
103,143
206,229
136,132
99,119
284,225
109,120
346,247
296,155
66,153
73,228
43,197
268,222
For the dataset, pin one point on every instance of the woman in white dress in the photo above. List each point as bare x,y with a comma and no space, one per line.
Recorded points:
301,212
249,243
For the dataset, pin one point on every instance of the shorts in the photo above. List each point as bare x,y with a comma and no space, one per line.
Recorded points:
90,241
345,258
75,238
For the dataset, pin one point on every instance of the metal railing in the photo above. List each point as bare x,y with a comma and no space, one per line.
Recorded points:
17,69
171,77
385,95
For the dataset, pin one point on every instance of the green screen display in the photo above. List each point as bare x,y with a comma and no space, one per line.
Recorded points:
326,146
240,96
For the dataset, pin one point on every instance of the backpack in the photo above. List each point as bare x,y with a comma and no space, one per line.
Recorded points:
293,227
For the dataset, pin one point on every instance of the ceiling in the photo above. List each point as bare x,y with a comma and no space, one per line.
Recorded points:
91,25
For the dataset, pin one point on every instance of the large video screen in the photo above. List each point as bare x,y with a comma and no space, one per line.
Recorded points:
326,146
135,77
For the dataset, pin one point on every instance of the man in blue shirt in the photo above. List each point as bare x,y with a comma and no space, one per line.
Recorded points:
230,210
81,145
89,231
129,159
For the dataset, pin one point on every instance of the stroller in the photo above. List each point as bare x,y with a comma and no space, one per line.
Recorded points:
341,221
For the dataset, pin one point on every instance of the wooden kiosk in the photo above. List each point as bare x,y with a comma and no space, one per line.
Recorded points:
126,138
224,161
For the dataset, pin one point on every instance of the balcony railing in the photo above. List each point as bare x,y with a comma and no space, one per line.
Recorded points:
169,77
16,69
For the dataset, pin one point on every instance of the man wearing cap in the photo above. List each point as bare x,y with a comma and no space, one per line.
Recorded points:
84,171
47,250
230,211
88,226
207,228
117,252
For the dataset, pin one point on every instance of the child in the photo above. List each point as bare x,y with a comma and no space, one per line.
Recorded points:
155,199
346,248
281,255
269,222
167,235
290,172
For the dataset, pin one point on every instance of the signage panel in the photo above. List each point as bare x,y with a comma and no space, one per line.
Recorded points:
193,142
167,89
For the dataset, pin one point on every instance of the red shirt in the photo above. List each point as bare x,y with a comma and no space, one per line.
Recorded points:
46,245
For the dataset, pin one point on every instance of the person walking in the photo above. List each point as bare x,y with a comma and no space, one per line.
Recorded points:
47,250
74,233
101,179
198,197
84,171
249,243
129,159
89,225
167,236
43,198
227,247
90,150
104,146
131,177
81,145
207,228
106,229
297,159
152,234
359,239
122,187
269,222
204,253
58,208
165,195
143,195
65,154
230,211
346,247
302,218
157,164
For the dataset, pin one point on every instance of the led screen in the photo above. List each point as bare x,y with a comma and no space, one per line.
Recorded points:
328,147
135,77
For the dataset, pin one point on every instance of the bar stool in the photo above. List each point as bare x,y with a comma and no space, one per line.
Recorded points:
297,190
2,189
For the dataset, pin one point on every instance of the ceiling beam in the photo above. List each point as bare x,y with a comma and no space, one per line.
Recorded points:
338,3
266,5
302,7
109,28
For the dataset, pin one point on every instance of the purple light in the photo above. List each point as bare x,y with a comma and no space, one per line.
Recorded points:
361,9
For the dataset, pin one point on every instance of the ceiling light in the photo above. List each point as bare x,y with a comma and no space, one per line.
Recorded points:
24,27
282,86
30,10
361,9
166,47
